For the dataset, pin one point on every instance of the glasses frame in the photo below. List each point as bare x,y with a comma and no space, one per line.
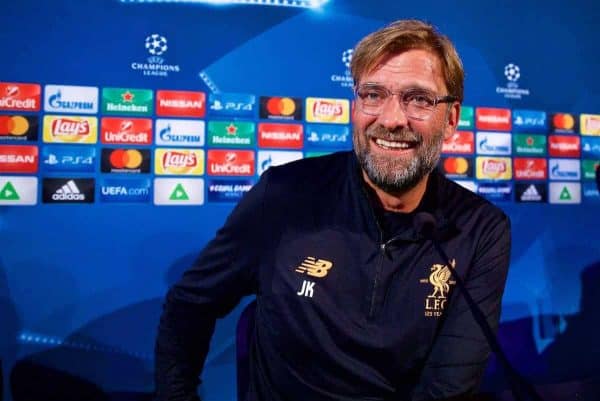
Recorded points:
390,94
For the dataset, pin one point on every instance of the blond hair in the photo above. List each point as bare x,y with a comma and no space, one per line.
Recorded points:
403,35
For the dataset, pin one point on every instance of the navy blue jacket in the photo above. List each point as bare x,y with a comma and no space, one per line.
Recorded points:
353,303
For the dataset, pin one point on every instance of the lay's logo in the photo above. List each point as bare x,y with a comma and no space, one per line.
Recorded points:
322,110
494,168
179,161
72,129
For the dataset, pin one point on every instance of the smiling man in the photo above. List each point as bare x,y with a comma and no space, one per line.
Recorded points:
353,301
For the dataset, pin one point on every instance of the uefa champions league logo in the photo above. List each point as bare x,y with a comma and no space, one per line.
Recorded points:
512,73
156,44
347,57
345,80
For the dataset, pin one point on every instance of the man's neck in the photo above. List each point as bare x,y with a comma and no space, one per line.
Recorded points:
400,202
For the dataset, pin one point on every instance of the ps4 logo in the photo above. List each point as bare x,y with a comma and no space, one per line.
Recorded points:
231,104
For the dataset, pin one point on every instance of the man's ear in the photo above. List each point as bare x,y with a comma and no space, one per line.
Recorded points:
453,116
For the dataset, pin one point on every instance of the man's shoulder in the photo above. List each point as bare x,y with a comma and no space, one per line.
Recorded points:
460,202
311,170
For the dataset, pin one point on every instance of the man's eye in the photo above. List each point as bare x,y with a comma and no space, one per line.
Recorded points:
419,99
373,95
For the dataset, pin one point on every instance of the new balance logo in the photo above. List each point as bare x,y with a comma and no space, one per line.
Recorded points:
314,267
68,192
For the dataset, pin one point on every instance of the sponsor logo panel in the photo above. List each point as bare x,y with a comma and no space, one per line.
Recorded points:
180,103
284,108
19,128
74,158
590,124
272,135
526,144
228,190
564,145
564,192
563,123
494,143
531,192
123,160
467,184
232,104
71,99
127,101
529,121
178,191
492,119
495,191
20,97
179,161
328,136
325,110
126,131
171,132
590,147
564,169
493,168
466,119
231,133
457,167
231,162
590,193
19,159
462,142
588,169
269,158
18,191
530,168
123,190
70,129
68,190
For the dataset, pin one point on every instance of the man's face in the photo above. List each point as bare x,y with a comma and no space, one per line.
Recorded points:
397,152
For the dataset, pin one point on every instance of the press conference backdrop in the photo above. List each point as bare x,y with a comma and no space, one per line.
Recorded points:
129,130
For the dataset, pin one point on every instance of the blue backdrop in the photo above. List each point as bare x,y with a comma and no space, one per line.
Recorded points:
81,285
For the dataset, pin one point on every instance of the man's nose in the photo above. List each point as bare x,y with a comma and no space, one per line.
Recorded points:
393,115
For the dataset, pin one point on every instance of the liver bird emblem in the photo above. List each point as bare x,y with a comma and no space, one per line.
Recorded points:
440,279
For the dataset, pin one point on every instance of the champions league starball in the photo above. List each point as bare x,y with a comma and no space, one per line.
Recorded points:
512,72
156,44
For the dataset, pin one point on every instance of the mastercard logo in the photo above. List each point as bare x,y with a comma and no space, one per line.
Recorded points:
563,121
281,106
126,158
14,125
456,165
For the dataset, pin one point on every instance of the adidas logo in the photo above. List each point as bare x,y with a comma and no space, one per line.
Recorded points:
68,192
531,194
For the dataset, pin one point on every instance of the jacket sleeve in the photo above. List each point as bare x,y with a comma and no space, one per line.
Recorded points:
224,272
458,357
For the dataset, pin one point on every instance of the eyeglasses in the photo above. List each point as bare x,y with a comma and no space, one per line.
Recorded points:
417,104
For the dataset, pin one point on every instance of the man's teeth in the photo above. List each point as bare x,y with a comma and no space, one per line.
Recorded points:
395,145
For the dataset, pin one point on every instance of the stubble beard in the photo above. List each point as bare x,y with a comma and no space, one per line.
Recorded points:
397,174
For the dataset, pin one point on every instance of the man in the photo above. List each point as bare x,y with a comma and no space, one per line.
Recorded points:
353,301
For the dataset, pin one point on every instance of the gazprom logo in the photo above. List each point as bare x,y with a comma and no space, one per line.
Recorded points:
564,169
529,120
232,104
494,143
327,136
71,99
173,132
